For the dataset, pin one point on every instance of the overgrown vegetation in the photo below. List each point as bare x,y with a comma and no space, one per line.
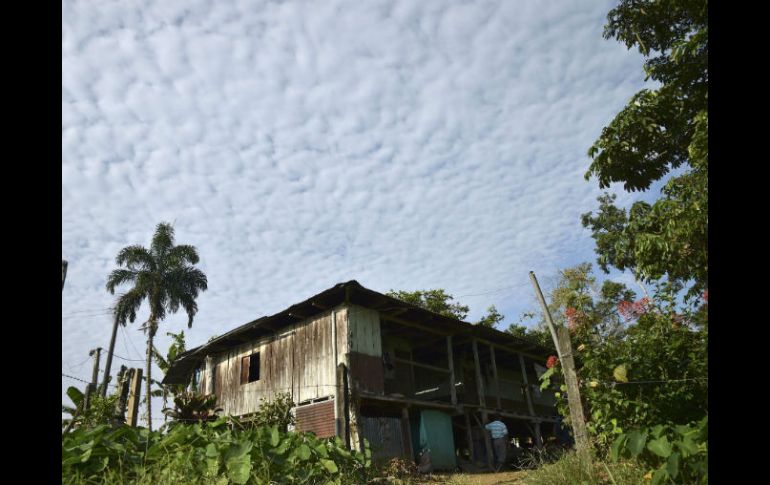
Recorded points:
223,452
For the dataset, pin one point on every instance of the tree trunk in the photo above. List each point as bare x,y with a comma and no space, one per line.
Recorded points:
148,387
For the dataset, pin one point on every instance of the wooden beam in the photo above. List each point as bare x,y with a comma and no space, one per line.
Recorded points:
318,305
419,364
407,323
510,349
479,377
494,373
530,406
452,380
414,402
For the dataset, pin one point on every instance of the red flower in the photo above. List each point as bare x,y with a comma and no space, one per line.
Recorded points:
571,315
630,310
552,360
706,295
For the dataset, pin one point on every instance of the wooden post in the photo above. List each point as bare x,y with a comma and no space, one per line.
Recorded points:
494,373
110,351
452,380
133,396
340,402
123,385
573,392
406,432
530,406
561,340
479,379
469,434
487,437
95,372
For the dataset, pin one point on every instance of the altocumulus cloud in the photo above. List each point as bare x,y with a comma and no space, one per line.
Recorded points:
299,144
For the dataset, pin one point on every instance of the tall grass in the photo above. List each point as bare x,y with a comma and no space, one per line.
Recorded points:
572,469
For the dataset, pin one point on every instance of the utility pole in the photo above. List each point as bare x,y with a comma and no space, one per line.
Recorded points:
63,273
562,341
91,387
108,363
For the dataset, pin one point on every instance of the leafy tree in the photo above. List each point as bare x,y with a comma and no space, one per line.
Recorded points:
437,301
492,318
441,302
101,410
642,363
176,348
538,334
658,131
165,276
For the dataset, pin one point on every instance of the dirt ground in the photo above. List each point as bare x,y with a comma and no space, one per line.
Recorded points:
502,478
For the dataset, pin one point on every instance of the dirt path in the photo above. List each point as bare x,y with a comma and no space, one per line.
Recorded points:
502,478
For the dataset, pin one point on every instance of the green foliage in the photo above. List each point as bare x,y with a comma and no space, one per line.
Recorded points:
101,410
652,369
437,301
673,454
192,406
492,318
659,130
222,452
276,412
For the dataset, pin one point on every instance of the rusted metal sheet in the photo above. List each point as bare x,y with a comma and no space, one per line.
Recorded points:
367,371
385,437
316,418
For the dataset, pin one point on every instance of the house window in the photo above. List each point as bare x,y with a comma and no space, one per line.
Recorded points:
250,368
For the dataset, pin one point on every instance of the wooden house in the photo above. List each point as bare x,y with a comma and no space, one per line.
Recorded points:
360,364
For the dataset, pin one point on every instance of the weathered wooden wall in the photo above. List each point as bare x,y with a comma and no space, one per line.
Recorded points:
297,360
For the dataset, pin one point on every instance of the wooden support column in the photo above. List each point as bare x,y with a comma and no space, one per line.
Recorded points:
406,432
469,434
494,373
452,380
487,437
530,406
133,396
340,404
479,378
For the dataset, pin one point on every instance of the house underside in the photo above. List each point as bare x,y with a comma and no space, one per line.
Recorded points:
365,366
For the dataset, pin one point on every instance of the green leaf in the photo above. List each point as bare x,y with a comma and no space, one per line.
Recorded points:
274,436
687,446
657,430
672,465
303,452
211,451
660,447
237,450
239,469
660,476
620,373
617,446
636,441
329,465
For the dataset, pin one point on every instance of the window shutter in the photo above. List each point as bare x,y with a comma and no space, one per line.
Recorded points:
245,369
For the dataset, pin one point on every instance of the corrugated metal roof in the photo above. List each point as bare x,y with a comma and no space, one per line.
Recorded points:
351,292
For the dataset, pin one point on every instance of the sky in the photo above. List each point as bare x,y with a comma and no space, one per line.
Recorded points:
406,145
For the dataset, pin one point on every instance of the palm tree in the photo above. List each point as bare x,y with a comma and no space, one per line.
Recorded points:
165,276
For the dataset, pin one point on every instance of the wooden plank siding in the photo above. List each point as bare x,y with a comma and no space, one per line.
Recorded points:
297,360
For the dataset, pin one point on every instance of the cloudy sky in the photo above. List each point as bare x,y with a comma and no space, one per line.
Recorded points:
405,144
